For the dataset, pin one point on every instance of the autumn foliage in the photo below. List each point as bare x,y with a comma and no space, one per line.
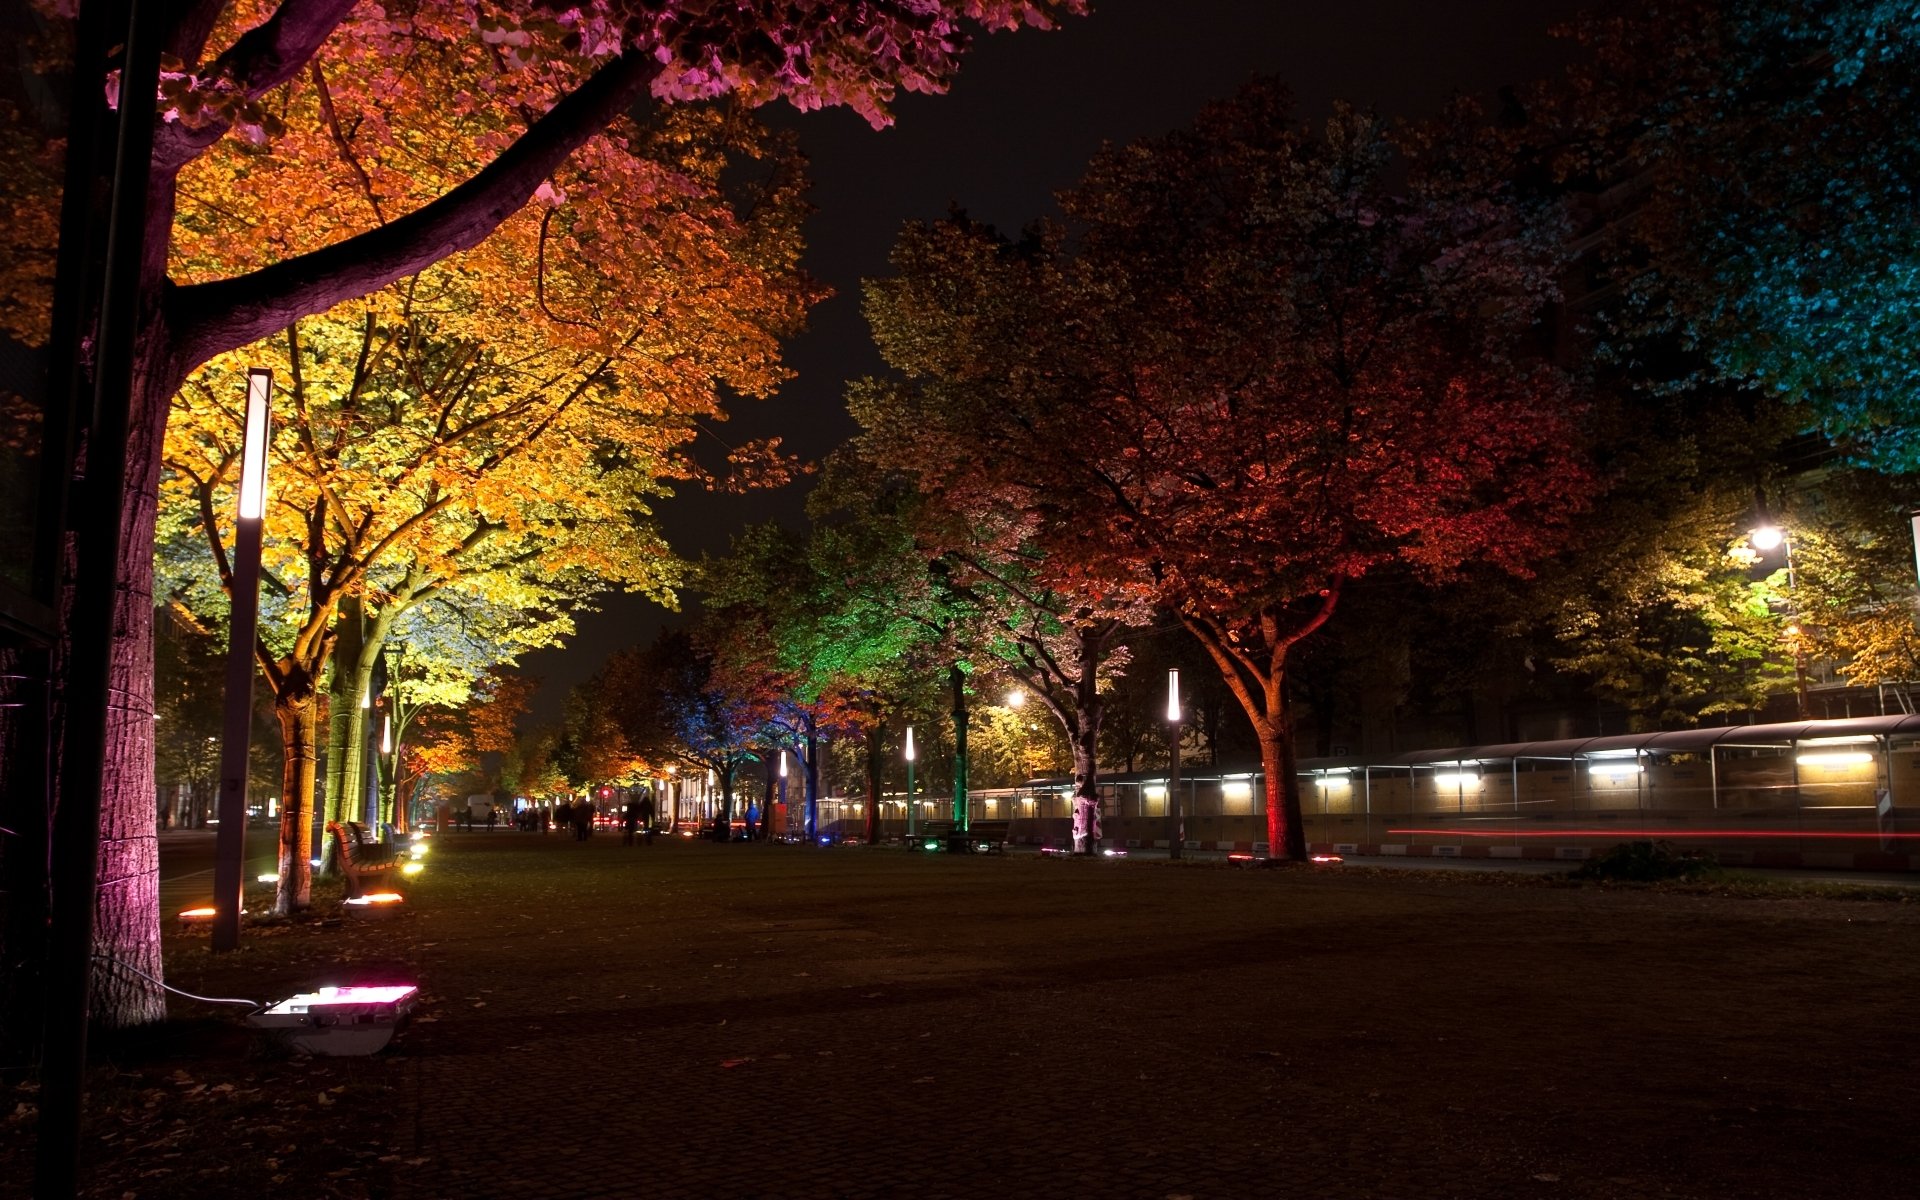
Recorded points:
1247,370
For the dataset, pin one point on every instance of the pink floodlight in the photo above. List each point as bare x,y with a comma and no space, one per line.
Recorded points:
339,1021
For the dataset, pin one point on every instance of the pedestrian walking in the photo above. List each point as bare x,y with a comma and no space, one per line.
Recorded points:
646,819
630,823
582,820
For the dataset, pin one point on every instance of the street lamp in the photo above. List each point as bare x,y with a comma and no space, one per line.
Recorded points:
959,680
913,823
393,732
1016,698
1770,537
243,622
1178,833
783,785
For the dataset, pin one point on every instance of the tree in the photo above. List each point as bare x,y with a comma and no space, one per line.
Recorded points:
672,706
1249,370
1061,639
1773,158
837,631
563,75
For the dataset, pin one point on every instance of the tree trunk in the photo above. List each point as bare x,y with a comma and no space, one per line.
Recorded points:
127,902
876,767
1286,833
767,801
813,778
294,706
344,731
1088,710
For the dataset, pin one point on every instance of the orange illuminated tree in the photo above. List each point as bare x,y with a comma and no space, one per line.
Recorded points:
561,80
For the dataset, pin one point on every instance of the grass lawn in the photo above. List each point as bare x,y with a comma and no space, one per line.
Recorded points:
698,1020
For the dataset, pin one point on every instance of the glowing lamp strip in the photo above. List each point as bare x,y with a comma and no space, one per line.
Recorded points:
377,898
1667,834
1614,770
345,995
1835,758
204,913
413,868
1455,779
253,461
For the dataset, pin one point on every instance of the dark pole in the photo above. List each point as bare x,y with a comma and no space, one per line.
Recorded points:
75,835
230,843
1177,833
959,680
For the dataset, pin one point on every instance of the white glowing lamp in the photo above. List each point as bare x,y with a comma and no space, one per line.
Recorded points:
1768,537
783,756
1173,695
1016,698
253,457
909,745
386,734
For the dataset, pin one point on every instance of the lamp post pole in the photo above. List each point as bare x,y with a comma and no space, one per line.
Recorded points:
959,681
913,820
1766,537
230,844
1177,833
393,733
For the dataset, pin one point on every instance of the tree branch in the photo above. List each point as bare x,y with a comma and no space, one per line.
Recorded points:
214,317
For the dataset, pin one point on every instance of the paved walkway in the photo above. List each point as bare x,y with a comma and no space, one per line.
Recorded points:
709,1021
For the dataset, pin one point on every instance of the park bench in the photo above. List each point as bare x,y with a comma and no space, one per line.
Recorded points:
987,837
937,834
360,854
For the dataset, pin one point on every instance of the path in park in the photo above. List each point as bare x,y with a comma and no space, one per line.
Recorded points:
697,1020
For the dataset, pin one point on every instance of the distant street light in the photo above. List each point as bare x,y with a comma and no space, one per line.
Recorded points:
913,821
1772,537
1016,698
1177,831
783,783
243,622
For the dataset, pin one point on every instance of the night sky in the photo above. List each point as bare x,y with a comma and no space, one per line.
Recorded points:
1026,113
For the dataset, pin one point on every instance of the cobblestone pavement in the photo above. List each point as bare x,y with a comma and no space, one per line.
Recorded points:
696,1020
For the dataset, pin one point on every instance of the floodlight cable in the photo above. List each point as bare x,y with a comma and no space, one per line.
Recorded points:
110,959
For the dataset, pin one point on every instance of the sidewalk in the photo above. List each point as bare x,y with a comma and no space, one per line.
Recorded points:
697,1020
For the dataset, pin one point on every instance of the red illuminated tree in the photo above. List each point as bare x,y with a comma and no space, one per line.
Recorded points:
1248,370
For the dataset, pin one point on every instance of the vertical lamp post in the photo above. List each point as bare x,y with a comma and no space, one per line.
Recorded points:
230,845
783,786
1177,833
959,681
392,732
913,817
1768,537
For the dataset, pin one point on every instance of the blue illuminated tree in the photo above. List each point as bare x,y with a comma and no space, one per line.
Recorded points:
1777,151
